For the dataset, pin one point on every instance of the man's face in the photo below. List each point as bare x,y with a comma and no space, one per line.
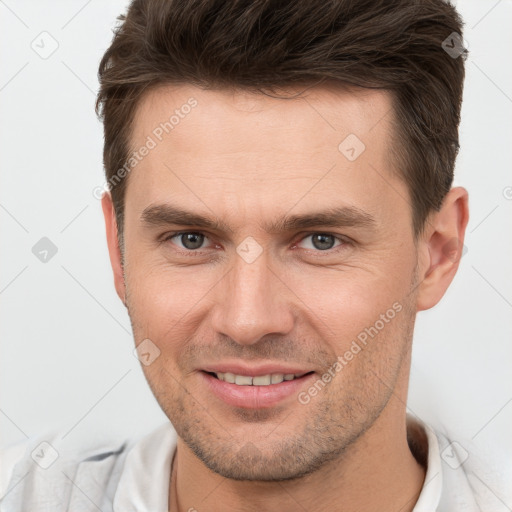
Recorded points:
257,295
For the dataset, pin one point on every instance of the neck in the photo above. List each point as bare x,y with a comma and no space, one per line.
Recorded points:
380,461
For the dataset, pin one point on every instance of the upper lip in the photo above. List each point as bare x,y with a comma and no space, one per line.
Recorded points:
239,368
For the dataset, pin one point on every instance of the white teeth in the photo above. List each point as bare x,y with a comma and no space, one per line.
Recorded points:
243,380
277,378
260,380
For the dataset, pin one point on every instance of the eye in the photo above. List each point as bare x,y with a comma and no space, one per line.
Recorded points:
190,240
322,241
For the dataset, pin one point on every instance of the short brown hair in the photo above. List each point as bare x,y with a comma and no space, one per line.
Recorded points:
264,45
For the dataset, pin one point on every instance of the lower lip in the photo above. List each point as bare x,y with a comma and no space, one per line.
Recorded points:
254,397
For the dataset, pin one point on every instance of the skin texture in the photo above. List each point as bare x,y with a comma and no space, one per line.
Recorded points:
250,160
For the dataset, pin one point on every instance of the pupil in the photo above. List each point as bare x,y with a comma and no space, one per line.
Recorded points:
192,240
323,241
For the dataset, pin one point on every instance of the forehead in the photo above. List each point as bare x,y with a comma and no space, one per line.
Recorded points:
328,143
331,108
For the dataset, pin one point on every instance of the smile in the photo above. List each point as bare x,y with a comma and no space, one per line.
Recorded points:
254,391
260,380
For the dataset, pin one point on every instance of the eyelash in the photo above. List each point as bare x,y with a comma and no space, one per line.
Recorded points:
344,241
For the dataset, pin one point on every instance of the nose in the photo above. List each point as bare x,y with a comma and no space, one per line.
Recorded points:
253,302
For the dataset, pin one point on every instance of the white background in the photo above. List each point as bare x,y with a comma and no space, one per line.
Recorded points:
66,348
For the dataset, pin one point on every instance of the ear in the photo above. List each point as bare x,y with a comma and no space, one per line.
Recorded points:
113,244
441,247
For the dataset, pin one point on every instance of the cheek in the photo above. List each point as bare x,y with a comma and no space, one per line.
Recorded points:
167,307
167,294
369,343
343,304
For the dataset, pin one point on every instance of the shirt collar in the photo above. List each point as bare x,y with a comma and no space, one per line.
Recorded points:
144,483
430,495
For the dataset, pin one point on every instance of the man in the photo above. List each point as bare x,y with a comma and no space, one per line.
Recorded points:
279,208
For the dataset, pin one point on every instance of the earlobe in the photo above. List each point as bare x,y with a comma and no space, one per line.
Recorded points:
113,245
442,247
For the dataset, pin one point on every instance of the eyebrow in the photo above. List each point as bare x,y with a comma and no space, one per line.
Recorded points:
347,216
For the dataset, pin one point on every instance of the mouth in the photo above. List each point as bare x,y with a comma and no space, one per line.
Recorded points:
257,380
254,391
